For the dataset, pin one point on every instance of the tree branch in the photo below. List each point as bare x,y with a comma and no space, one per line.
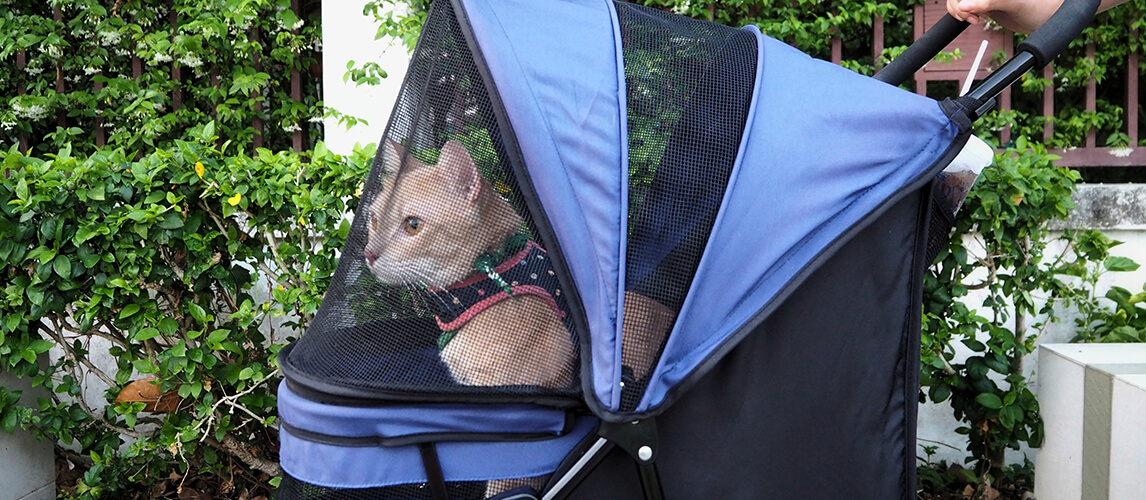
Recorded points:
243,452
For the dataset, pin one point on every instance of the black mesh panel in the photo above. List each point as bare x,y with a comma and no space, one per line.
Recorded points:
444,285
689,85
293,488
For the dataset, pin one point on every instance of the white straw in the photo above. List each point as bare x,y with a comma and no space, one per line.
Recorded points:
974,68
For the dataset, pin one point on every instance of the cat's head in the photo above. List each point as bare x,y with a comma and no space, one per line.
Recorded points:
428,223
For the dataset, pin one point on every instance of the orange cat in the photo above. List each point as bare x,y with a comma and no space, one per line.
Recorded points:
428,225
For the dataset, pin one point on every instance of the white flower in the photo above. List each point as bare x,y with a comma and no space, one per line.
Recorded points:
159,58
297,25
7,125
681,8
33,70
55,52
191,60
90,71
315,119
109,37
1121,152
294,127
34,112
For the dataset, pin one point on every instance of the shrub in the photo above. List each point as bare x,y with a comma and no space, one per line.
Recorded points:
186,266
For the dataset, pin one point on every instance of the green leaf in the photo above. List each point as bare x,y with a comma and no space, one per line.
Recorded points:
11,322
154,197
197,312
143,366
128,310
168,326
22,189
171,221
940,393
62,265
83,234
989,400
1120,264
145,334
217,336
40,345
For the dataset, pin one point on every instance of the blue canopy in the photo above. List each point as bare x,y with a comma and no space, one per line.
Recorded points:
823,150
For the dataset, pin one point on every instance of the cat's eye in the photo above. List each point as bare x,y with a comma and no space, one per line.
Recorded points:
413,225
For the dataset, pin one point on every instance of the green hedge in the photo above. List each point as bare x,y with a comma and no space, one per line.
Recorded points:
234,57
186,265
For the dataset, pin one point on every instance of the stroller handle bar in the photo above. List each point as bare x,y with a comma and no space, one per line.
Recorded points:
1042,46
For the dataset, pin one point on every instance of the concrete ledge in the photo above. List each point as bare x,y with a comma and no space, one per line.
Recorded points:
1107,206
1092,398
27,465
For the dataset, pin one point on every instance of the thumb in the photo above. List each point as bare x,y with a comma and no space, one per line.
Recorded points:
979,7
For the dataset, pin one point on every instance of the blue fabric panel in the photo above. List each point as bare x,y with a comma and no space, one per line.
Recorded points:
554,64
369,467
824,147
398,420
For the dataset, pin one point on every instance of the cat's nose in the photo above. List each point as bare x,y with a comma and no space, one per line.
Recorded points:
371,256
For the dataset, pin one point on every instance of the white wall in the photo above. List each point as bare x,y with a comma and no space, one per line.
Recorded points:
348,35
936,423
27,466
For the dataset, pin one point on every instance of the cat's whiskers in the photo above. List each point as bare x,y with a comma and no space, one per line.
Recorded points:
419,293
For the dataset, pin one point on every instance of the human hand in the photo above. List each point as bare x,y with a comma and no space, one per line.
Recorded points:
1018,15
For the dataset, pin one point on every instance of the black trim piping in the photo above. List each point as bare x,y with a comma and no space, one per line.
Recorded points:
411,439
327,392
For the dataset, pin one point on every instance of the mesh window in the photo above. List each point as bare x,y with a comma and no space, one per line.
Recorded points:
689,85
444,285
292,488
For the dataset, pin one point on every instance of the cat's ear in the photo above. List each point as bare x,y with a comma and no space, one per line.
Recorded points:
391,163
460,166
393,157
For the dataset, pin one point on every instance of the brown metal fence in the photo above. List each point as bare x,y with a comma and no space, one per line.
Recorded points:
299,139
1088,154
1085,155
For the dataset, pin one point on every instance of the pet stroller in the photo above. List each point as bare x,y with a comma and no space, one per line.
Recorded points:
598,235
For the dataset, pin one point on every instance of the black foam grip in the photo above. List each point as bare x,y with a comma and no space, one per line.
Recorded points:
1055,34
923,50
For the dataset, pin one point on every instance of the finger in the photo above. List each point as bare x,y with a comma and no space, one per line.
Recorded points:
953,9
979,7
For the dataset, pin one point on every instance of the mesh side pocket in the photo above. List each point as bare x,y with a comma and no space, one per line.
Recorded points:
444,285
689,85
938,229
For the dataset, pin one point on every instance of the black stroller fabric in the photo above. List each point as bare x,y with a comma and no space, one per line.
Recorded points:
585,214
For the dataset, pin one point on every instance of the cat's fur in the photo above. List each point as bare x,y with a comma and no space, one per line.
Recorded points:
513,342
